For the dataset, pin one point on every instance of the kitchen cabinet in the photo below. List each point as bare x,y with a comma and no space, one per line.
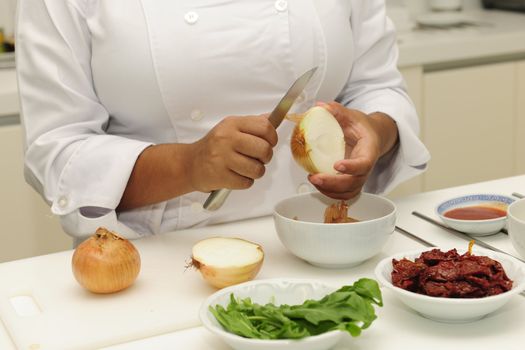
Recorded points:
469,124
27,225
520,120
414,80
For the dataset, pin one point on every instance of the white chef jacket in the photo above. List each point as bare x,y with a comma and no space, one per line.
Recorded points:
102,80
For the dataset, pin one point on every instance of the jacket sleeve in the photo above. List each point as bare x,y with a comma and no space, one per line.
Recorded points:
79,169
376,85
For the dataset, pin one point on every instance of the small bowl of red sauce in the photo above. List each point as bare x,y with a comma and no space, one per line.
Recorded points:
475,214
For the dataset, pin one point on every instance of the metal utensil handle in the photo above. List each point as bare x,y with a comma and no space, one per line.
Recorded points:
216,199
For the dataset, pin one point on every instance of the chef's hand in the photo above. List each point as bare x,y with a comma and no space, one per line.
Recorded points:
233,154
367,137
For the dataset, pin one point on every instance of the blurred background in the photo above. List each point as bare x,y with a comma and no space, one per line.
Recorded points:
7,24
464,65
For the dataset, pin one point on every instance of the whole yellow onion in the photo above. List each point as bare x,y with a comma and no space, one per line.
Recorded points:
106,262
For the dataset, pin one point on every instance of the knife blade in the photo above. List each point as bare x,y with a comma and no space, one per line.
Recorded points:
217,198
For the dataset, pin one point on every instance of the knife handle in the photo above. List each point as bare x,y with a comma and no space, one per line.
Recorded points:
216,199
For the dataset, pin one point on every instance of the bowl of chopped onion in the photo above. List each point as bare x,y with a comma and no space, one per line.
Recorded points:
330,233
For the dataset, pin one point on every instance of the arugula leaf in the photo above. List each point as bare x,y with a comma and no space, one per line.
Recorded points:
351,307
351,328
236,322
368,288
348,309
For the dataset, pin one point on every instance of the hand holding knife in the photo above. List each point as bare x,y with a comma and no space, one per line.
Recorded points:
216,199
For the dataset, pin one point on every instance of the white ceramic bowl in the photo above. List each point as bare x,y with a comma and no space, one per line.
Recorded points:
277,291
299,225
452,310
475,227
516,225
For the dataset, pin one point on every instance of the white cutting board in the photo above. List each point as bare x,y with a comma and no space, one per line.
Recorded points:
165,298
73,318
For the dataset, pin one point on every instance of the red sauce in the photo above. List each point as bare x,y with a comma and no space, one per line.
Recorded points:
475,213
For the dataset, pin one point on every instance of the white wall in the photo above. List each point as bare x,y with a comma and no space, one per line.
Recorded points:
7,16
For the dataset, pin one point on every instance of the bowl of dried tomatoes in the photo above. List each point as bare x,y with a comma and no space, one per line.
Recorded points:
452,285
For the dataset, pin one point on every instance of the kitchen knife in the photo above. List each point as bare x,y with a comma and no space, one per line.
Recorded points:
216,199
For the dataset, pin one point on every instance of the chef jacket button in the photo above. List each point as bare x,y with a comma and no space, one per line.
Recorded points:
281,5
62,202
304,188
196,115
196,207
191,17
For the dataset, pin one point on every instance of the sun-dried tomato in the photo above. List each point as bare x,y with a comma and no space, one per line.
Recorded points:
451,275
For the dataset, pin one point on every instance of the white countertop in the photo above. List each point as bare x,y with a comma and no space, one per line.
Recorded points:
163,254
501,330
498,33
495,33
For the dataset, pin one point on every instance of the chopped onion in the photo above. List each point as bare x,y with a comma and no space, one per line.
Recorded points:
106,262
317,141
227,261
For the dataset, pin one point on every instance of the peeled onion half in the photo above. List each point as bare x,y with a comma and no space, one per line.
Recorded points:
318,141
227,261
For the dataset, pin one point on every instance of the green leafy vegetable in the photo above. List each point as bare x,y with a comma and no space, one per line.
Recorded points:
348,309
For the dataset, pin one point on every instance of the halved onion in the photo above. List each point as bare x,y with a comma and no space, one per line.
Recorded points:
227,261
317,141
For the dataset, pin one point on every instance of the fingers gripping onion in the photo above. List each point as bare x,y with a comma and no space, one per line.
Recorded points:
227,261
106,262
318,141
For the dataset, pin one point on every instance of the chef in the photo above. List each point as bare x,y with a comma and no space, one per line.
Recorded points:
134,110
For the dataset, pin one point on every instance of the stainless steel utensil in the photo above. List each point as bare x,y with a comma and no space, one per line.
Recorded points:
463,235
216,199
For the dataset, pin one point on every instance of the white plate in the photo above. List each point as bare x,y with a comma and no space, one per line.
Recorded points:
442,19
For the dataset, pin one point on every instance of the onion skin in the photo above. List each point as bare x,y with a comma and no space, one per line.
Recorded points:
106,263
300,150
